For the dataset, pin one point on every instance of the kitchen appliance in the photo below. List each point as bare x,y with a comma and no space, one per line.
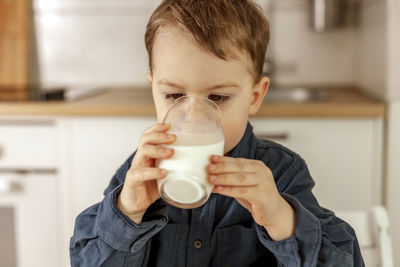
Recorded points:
328,14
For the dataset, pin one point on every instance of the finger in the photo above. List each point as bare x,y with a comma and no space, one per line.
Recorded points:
218,158
146,154
156,138
243,192
145,174
234,179
244,203
156,152
238,165
159,127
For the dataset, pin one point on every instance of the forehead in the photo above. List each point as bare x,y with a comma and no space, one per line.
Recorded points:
176,54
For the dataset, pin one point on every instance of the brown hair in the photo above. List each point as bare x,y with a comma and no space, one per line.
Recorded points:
222,27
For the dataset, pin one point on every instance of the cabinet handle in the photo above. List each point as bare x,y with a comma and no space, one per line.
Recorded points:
27,171
274,136
7,186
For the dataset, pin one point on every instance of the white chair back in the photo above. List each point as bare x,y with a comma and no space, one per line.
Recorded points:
373,233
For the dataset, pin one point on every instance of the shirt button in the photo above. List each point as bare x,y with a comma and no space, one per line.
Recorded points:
197,244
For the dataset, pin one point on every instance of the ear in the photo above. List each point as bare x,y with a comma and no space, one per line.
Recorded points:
258,94
150,77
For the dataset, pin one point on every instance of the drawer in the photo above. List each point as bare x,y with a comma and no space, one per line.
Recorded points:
343,155
29,144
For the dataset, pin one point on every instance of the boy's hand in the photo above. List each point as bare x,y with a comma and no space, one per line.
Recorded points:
140,187
252,184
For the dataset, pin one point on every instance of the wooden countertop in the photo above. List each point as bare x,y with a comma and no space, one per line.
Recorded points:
342,103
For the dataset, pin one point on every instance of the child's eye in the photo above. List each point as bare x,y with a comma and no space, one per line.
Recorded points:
214,98
218,98
173,96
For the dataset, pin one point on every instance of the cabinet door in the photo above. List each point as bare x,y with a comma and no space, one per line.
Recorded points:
29,201
99,146
21,140
343,156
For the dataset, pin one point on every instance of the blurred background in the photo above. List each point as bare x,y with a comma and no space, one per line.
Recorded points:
75,100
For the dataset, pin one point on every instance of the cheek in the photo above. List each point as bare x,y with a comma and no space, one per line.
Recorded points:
234,127
161,108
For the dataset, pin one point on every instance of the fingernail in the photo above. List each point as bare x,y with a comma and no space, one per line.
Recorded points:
213,167
170,136
216,157
213,178
163,172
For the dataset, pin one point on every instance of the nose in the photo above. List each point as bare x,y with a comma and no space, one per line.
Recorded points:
197,109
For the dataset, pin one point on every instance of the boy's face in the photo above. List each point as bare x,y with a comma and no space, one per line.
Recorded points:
182,67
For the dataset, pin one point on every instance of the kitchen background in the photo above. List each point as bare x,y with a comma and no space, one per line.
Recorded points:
59,155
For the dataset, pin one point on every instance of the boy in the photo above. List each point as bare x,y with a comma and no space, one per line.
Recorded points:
262,212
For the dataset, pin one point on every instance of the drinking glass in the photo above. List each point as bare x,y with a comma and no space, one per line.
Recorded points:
196,122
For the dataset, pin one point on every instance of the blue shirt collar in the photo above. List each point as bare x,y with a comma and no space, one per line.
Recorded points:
246,146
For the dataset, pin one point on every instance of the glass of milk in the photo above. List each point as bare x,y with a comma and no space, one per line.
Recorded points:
196,122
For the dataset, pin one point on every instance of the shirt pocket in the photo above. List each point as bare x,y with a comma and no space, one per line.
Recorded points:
239,246
168,246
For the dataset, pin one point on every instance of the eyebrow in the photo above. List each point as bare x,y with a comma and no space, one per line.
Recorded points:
216,86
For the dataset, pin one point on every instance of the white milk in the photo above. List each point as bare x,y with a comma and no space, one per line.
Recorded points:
186,181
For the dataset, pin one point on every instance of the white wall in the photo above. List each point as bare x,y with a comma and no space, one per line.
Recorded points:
380,75
379,42
393,174
303,56
372,40
393,75
92,43
102,43
393,96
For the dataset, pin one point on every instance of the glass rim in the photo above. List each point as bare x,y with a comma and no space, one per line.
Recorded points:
186,97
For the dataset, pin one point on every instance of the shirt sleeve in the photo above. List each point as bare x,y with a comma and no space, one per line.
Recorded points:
321,238
104,236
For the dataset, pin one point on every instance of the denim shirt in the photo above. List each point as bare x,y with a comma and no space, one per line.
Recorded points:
221,232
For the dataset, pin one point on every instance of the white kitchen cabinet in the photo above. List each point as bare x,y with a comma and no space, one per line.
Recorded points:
28,192
31,192
98,147
31,236
21,140
69,161
343,155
